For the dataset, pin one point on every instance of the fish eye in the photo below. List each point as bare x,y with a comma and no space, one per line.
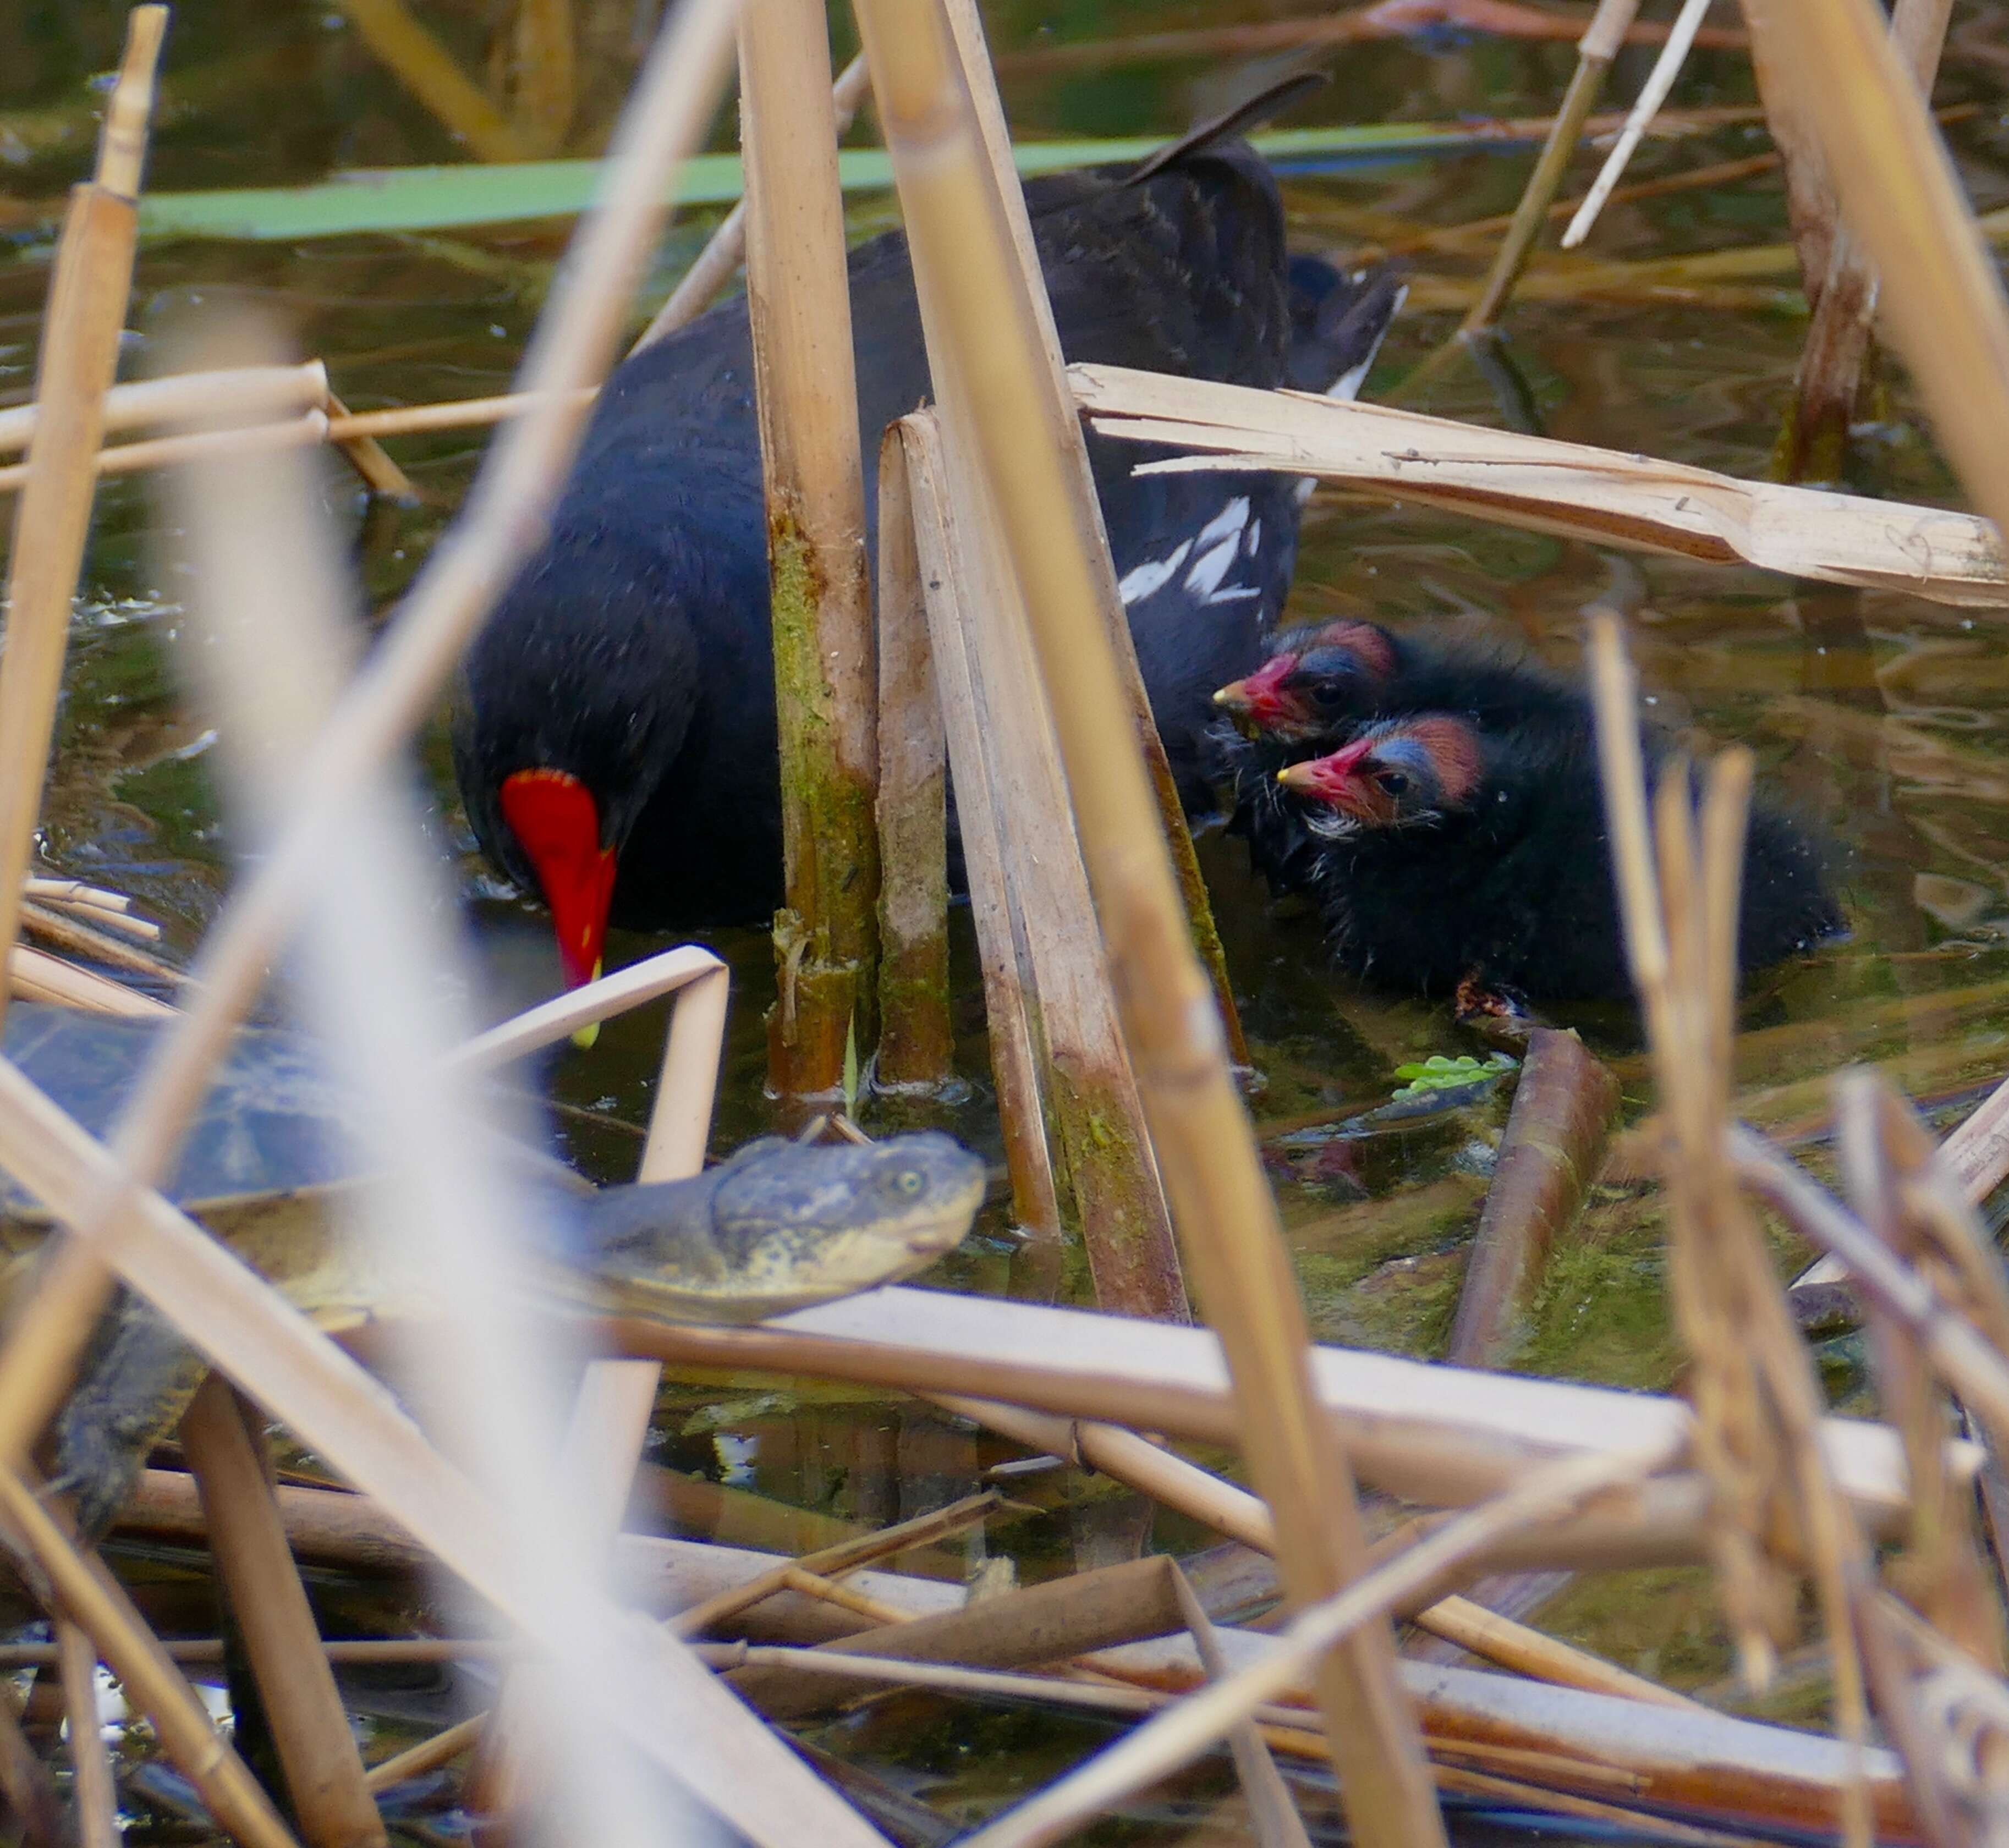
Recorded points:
1392,782
908,1180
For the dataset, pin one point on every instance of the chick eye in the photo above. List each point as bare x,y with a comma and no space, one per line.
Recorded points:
1392,782
908,1180
1328,693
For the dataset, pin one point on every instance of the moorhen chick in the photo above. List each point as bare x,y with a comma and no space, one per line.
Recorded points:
1444,848
1322,680
615,735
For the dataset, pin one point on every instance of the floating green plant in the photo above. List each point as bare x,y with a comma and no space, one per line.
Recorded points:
1440,1073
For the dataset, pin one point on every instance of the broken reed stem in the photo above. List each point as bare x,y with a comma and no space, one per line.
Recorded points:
245,391
35,976
1600,44
368,458
428,1754
726,249
429,72
680,1121
944,555
1200,1721
826,677
1126,1457
1667,68
1939,291
1758,1406
86,313
393,692
227,1454
25,1783
1828,385
94,1795
88,1597
1555,1140
67,931
1026,439
916,1040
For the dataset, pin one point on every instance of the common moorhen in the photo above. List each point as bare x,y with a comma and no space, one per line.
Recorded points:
1320,680
614,735
1443,848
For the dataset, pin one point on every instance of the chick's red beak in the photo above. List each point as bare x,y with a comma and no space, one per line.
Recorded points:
1262,699
557,824
1334,780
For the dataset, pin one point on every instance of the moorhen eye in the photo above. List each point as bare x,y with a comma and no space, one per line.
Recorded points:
1331,695
1392,782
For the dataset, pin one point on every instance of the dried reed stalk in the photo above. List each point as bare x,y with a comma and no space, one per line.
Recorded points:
427,70
916,1043
670,972
87,1596
1942,299
94,1795
826,678
393,693
1126,1457
1163,1744
367,456
25,1783
1539,485
544,72
81,325
1047,988
1016,415
1814,440
1667,68
1758,1405
306,431
68,931
324,1770
1554,1144
944,559
725,249
428,1754
37,976
680,1121
1431,1434
248,392
1600,43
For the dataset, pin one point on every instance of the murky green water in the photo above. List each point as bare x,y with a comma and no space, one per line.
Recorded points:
1882,716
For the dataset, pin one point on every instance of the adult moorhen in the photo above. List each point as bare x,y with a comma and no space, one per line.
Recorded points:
614,735
1442,848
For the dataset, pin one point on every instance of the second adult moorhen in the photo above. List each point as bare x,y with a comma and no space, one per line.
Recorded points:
614,735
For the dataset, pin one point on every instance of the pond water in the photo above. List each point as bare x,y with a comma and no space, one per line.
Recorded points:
1882,716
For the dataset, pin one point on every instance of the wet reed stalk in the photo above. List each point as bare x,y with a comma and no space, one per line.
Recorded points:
1554,1144
25,1783
1941,295
1600,43
680,1121
394,691
1813,443
94,1797
726,249
826,682
427,70
1023,431
915,492
88,1596
226,1449
86,313
917,1044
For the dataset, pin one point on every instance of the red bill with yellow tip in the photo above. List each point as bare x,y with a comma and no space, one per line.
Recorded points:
557,824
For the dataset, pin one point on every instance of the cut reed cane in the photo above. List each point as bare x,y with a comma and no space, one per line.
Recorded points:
726,249
1600,44
680,1120
37,976
428,1754
227,1451
1659,81
916,1045
1939,292
574,342
81,325
1201,1719
92,1599
366,455
67,931
1554,1143
247,391
799,300
1813,440
944,558
1012,408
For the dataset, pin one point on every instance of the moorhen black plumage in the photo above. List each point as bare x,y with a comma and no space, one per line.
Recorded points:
1443,849
1322,680
614,735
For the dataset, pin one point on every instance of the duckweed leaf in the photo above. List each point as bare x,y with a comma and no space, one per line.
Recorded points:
1440,1073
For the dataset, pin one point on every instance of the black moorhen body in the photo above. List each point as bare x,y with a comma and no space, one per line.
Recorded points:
1443,848
1320,681
614,741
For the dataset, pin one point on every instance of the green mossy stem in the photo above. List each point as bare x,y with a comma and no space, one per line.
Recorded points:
916,1043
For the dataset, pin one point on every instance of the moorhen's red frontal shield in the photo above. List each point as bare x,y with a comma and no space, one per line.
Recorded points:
557,823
